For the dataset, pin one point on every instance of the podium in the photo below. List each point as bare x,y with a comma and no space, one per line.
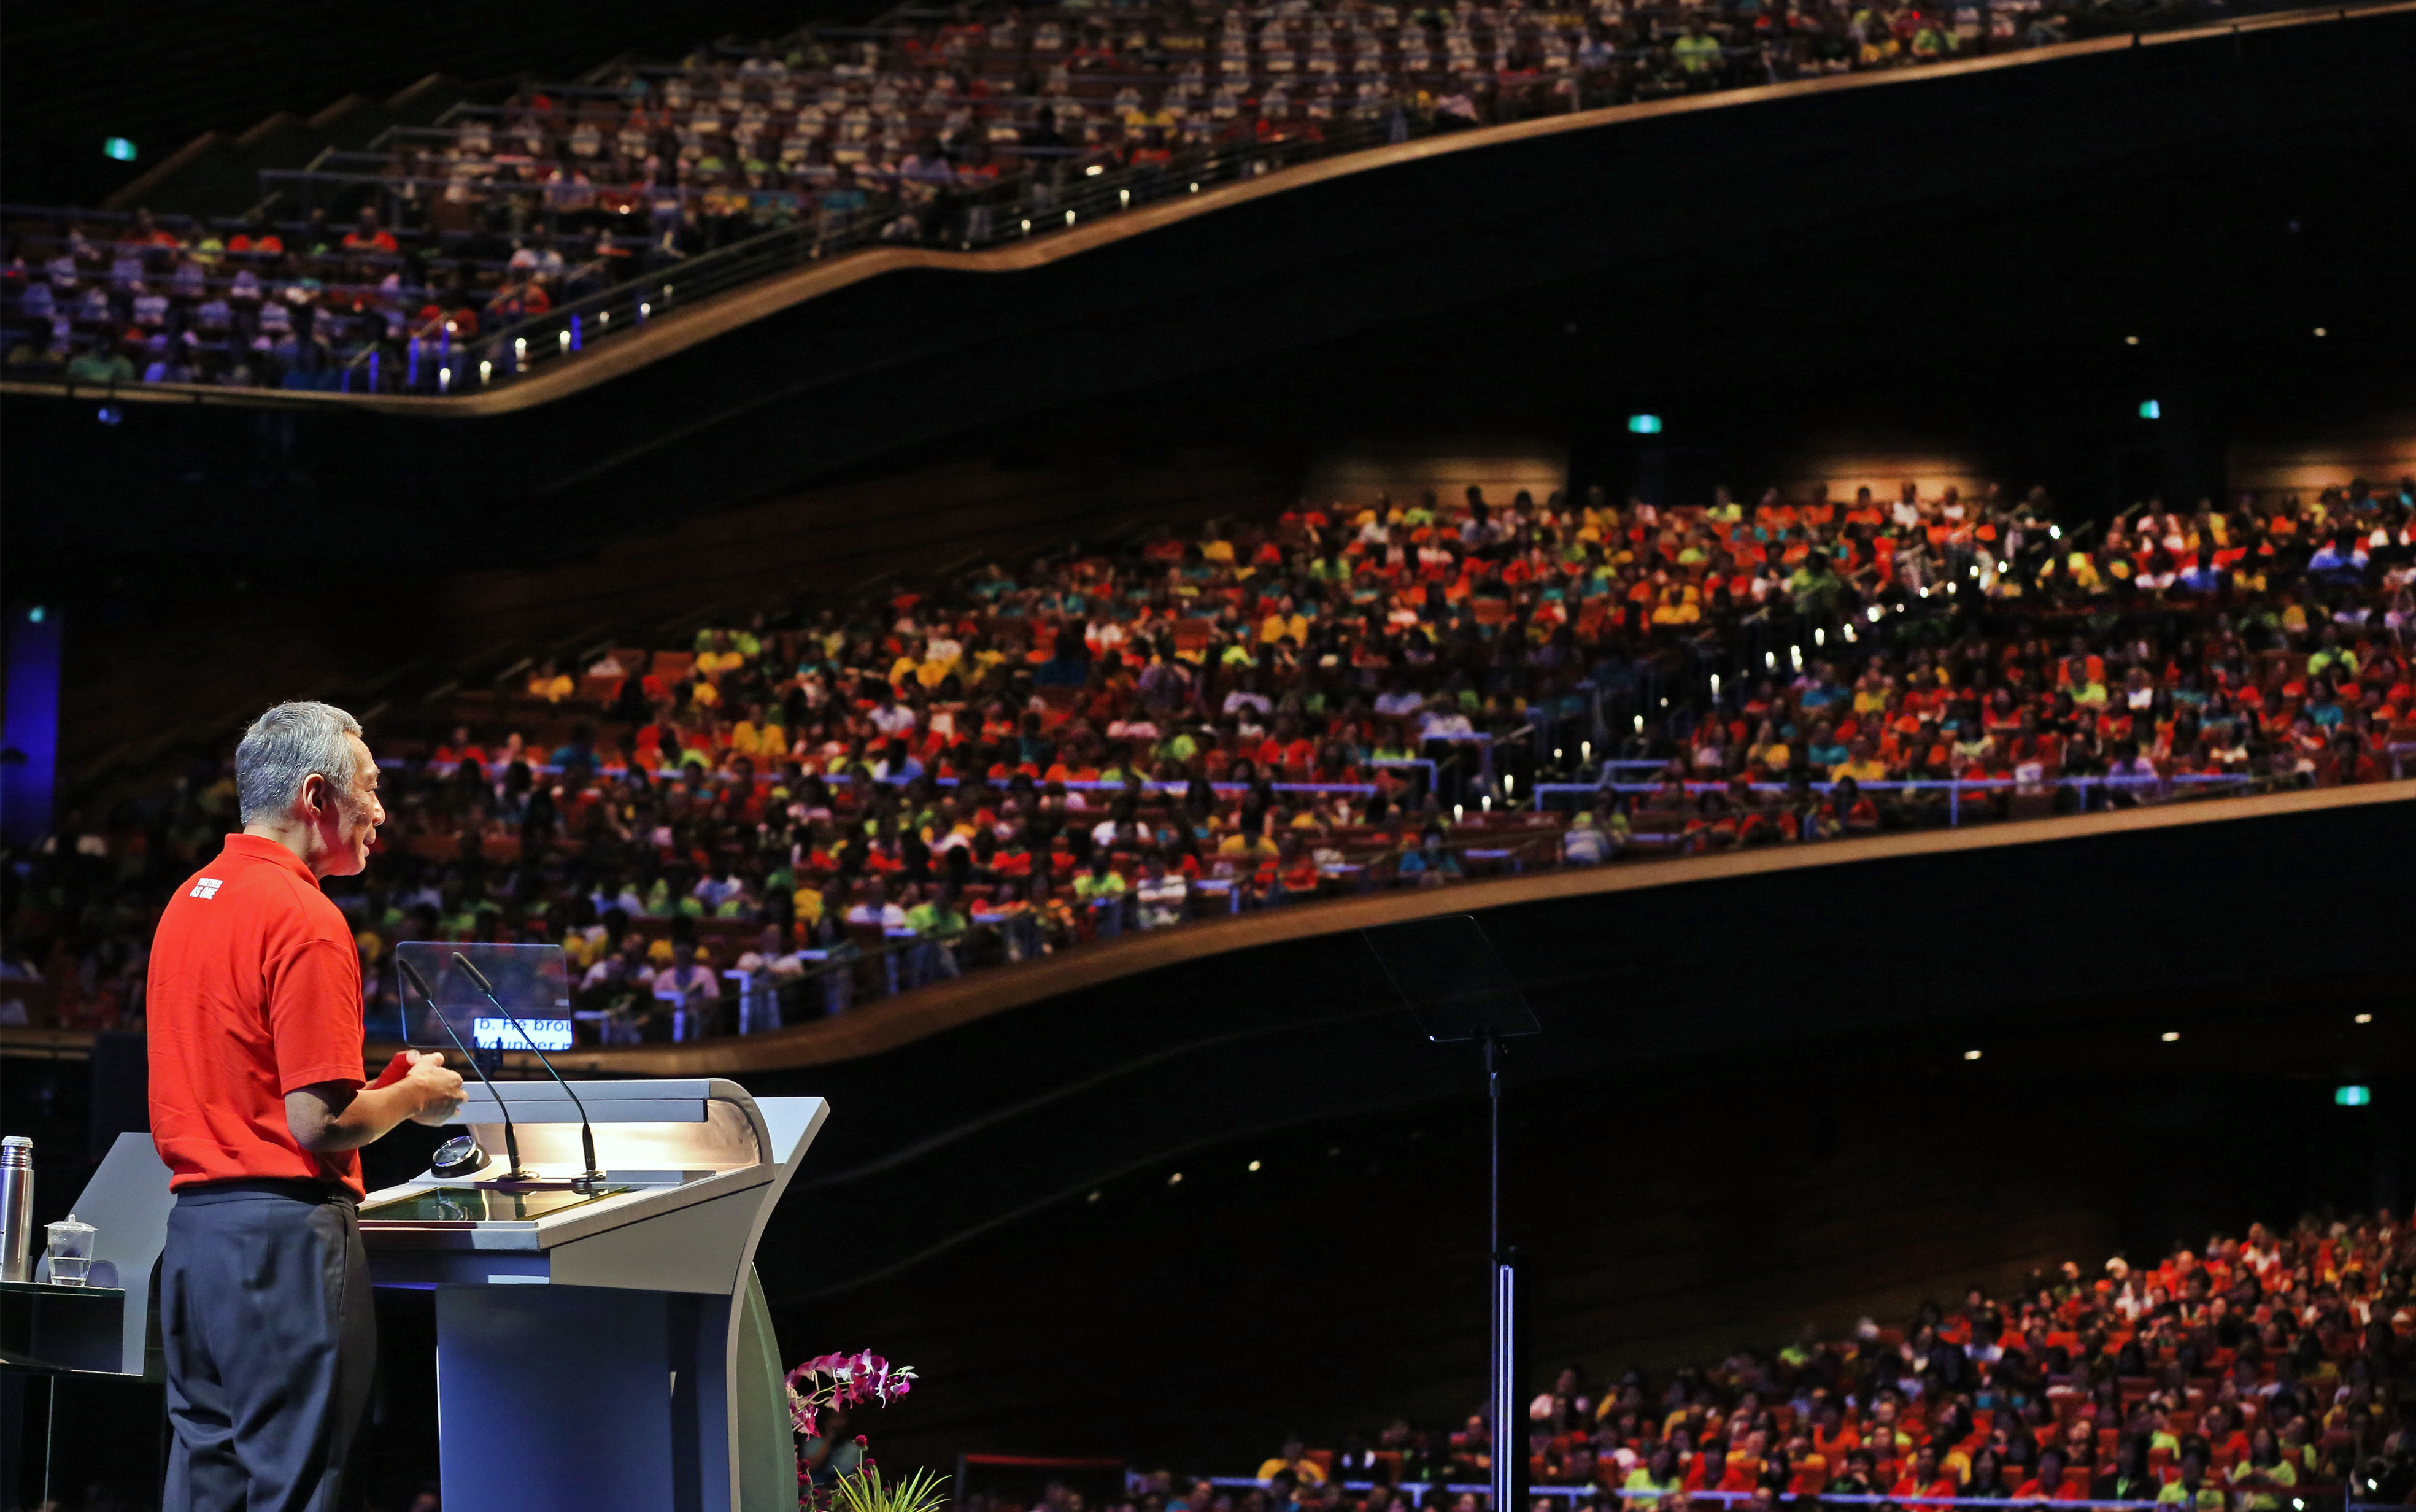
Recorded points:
606,1350
595,1353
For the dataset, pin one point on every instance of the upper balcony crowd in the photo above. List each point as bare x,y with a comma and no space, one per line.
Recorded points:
397,267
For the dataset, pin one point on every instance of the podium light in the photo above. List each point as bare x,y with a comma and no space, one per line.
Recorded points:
1644,425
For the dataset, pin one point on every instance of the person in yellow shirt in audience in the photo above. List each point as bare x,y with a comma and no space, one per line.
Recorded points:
581,949
1860,764
758,736
1249,842
551,682
720,657
1295,1459
1676,609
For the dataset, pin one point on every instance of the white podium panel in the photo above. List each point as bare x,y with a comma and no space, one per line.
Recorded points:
608,1350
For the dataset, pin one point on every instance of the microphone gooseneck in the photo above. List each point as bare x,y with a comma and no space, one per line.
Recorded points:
586,1181
511,1135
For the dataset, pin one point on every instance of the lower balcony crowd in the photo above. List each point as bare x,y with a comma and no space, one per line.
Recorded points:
2263,1373
793,814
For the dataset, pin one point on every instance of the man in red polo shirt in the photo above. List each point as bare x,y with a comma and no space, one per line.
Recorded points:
258,1107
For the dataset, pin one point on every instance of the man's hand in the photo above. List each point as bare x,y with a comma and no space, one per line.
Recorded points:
438,1086
330,1117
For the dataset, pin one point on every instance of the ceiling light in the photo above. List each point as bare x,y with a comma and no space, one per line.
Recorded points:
1093,1197
2320,330
1175,1180
1971,1054
2130,340
1254,1165
2169,1035
2366,1017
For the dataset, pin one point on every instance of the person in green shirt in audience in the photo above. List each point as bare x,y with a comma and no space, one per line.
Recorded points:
1101,882
2192,1491
101,363
1697,53
938,915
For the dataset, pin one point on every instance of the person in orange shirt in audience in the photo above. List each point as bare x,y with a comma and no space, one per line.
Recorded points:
1924,1479
2049,1484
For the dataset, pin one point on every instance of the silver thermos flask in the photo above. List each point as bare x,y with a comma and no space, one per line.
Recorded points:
16,1208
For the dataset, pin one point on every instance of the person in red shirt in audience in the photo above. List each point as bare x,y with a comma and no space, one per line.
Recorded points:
369,236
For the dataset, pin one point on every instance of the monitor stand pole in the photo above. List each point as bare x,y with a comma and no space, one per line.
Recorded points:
1507,1444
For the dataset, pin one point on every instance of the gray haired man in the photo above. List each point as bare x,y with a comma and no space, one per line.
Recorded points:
259,1108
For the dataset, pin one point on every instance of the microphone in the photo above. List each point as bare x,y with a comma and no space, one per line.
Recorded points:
511,1136
591,1178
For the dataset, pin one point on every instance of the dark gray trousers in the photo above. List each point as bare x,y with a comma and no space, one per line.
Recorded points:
265,1318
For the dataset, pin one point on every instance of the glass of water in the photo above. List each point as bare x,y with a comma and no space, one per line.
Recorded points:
70,1251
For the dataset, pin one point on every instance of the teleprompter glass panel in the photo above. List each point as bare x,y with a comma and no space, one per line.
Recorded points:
1448,974
445,1007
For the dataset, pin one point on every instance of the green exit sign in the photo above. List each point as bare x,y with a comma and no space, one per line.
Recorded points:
2352,1095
